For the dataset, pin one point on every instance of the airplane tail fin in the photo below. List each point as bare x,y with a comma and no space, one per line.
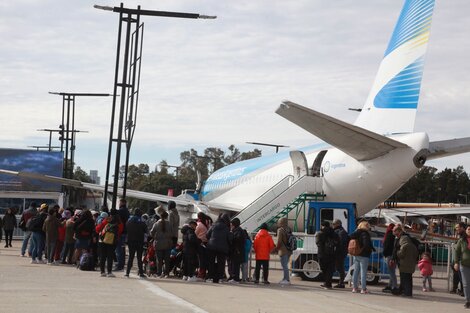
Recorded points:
393,100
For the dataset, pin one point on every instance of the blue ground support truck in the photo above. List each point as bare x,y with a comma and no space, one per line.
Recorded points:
305,259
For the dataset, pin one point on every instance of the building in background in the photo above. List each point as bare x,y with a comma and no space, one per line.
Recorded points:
94,177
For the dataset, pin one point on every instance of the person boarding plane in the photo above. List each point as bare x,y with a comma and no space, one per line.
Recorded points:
364,162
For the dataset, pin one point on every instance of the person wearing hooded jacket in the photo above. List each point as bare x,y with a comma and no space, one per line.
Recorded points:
263,245
282,250
219,241
190,245
136,232
327,241
237,250
174,219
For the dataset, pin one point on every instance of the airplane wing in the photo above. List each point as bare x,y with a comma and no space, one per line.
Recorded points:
357,142
420,211
443,148
78,184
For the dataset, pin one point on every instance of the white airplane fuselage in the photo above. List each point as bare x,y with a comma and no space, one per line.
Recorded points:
366,183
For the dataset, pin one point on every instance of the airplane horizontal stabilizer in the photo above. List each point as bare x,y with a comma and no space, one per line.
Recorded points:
443,148
355,141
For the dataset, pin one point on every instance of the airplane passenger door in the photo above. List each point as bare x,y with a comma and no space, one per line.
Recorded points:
299,162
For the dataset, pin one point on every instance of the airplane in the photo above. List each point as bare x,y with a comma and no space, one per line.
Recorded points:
365,162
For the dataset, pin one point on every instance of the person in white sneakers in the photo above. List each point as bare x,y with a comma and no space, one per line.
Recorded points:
282,250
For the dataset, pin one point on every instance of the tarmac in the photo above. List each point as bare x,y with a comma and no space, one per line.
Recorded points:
42,288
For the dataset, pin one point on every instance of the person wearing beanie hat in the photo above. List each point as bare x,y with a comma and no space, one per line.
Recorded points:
327,241
136,235
283,232
218,246
263,245
237,250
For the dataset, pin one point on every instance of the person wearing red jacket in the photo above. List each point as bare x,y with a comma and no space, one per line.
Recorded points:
107,248
425,267
263,245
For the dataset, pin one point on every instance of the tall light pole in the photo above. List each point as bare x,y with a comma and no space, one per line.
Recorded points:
67,127
128,86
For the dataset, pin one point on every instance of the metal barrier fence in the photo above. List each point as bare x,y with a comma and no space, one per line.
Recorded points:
304,260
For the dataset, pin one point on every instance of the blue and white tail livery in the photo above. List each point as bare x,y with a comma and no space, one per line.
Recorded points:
364,163
393,100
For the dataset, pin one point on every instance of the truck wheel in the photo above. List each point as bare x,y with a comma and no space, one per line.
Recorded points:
311,270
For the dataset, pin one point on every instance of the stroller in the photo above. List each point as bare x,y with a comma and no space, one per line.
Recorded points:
150,260
176,260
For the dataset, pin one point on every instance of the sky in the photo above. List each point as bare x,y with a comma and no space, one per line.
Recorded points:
213,83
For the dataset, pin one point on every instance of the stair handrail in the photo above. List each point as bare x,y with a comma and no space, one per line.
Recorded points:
283,180
279,195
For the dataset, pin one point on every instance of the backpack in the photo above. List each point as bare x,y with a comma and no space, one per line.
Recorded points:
419,246
291,244
109,234
22,224
354,247
330,246
86,262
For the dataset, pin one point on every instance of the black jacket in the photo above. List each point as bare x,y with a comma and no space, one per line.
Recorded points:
327,234
389,243
237,251
342,251
219,237
190,240
364,242
136,230
37,222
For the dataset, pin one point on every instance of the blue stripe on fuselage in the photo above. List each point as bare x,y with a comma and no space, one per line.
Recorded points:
238,170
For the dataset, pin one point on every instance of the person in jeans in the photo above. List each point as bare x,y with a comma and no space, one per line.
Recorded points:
26,216
388,244
282,250
361,261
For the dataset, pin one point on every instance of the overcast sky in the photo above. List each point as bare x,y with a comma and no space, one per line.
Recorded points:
212,83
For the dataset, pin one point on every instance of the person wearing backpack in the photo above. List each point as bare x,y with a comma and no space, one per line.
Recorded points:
327,242
361,261
27,215
284,253
406,256
341,251
113,225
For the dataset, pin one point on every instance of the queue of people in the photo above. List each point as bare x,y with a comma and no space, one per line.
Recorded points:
56,235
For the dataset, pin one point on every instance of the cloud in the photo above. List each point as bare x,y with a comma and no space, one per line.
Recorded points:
218,82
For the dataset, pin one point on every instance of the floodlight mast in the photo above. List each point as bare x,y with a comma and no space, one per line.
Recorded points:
129,87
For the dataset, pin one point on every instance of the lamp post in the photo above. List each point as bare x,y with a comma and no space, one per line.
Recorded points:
128,85
67,127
